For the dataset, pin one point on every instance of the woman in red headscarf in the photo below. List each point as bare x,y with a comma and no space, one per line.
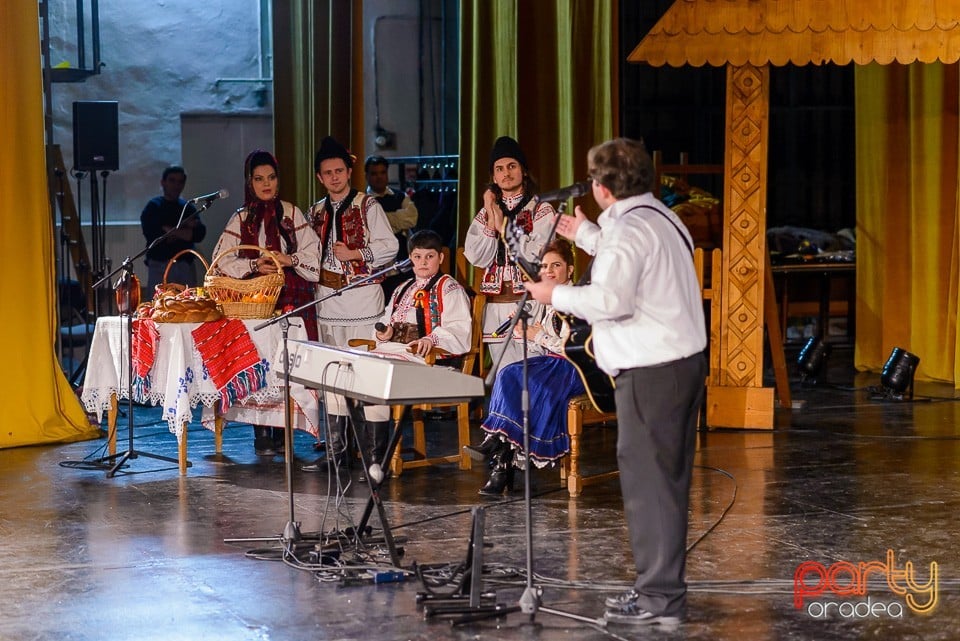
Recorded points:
274,224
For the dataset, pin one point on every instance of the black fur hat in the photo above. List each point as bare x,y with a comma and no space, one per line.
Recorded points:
330,148
507,147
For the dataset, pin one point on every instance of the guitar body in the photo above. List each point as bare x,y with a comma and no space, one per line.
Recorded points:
578,349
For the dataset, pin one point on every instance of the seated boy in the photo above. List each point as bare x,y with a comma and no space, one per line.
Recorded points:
429,310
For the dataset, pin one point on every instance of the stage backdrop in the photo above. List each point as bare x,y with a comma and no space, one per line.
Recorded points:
39,405
908,192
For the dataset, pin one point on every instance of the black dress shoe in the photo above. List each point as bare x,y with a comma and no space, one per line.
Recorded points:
320,465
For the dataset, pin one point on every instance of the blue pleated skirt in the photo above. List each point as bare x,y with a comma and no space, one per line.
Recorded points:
553,381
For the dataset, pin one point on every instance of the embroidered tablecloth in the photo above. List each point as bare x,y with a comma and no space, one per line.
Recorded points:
180,383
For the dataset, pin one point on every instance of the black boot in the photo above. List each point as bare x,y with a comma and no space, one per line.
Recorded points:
375,450
485,450
263,441
501,476
381,439
336,446
279,440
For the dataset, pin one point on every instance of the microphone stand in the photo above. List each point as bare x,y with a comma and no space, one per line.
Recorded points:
291,531
529,602
124,284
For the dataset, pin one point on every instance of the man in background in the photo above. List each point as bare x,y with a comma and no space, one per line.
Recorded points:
399,208
162,214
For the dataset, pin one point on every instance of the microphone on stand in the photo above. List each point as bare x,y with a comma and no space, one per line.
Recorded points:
573,191
206,200
505,324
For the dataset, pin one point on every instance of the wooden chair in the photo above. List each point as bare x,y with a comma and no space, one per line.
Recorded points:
581,412
470,277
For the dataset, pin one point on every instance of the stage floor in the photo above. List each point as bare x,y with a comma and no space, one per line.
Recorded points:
841,481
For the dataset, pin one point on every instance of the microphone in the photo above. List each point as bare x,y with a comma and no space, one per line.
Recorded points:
207,199
573,191
380,327
404,265
505,324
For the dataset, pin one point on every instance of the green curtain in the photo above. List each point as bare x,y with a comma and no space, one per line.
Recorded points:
318,91
39,404
907,191
542,72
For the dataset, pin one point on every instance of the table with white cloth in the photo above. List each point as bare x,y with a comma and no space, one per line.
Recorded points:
179,381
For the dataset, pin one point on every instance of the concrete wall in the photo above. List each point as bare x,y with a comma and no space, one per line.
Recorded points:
163,60
406,67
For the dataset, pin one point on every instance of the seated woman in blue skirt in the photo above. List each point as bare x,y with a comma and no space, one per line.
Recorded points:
552,382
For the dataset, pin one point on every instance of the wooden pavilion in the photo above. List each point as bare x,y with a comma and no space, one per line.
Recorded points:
747,37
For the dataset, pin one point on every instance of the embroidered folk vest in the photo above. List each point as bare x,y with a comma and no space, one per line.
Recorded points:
351,224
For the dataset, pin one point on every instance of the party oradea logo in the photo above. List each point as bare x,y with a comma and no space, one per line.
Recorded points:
865,590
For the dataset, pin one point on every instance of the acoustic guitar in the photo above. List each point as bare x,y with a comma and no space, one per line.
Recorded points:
578,347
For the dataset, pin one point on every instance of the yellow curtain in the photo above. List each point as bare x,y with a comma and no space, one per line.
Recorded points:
39,404
544,73
907,209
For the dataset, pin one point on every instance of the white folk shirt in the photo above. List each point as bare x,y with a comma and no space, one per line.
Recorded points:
643,301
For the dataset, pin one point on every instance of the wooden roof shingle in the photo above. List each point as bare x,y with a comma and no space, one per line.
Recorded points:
779,32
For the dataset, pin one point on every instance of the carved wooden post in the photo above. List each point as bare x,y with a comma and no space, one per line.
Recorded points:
737,398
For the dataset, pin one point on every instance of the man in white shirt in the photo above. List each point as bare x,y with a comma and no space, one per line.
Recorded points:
645,307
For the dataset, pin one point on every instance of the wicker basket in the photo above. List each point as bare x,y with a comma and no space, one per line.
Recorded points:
250,298
176,288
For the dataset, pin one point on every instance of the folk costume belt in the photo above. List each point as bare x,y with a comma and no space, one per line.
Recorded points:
333,280
503,298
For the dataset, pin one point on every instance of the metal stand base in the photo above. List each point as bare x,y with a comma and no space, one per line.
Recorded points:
118,460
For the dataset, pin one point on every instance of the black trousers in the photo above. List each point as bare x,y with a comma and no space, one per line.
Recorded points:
657,409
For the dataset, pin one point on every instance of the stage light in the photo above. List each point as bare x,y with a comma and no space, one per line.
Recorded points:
812,359
897,375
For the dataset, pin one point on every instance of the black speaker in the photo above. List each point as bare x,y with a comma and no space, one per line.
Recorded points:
95,138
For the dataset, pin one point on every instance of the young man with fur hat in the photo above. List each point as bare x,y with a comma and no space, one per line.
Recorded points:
356,240
510,195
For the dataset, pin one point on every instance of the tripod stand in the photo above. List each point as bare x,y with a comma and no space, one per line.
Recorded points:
530,601
291,531
124,287
126,300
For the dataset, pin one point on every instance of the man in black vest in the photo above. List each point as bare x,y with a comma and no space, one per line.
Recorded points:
400,210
